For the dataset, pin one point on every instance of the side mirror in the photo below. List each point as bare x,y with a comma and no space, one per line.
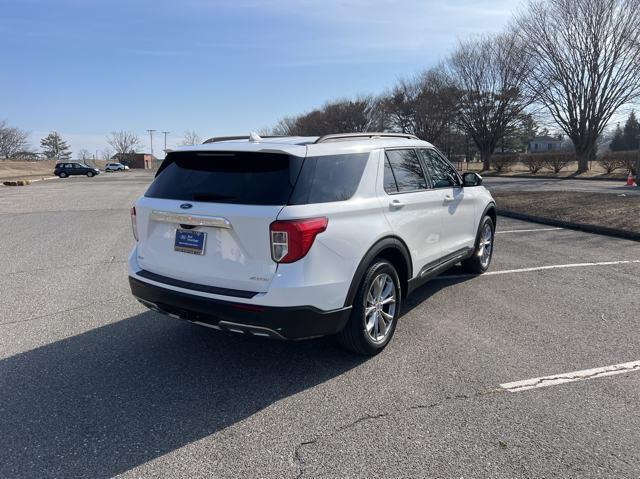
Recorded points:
471,179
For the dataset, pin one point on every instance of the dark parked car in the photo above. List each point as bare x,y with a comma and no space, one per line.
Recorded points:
67,169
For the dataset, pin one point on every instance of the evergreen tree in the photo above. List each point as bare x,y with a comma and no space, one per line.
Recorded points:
627,138
617,143
55,148
631,133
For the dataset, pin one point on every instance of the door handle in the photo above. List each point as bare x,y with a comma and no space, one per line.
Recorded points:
396,205
449,199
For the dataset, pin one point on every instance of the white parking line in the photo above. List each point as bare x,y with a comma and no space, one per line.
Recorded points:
527,231
554,380
539,268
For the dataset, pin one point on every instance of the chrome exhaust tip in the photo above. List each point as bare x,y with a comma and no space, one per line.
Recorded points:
250,330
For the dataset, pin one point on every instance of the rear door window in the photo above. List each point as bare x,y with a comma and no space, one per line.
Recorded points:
325,179
390,184
227,177
405,168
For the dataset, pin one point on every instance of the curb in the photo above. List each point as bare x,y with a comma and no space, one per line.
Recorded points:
548,177
600,230
45,178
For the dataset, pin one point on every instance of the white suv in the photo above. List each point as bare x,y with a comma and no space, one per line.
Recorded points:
297,237
115,167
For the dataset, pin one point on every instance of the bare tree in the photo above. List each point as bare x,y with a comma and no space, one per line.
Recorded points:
399,106
285,127
489,75
435,107
84,155
341,116
106,154
124,143
583,61
348,116
425,106
191,138
12,140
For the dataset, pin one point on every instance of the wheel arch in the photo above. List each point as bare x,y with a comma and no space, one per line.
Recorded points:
491,211
394,250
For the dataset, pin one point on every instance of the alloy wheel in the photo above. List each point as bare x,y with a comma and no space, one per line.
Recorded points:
486,245
380,307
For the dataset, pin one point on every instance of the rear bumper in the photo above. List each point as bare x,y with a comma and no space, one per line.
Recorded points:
279,322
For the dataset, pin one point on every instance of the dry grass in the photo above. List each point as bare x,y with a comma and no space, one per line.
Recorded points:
519,169
599,209
14,170
25,170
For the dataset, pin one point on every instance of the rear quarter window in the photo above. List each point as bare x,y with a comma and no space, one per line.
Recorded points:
325,179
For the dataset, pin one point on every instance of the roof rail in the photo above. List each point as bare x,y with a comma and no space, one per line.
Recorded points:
216,139
348,136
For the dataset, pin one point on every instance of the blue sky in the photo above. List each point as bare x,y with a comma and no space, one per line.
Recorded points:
86,68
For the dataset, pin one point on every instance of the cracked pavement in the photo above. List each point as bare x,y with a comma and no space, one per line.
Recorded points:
93,385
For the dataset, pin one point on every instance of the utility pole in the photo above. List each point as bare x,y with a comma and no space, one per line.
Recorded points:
151,139
165,142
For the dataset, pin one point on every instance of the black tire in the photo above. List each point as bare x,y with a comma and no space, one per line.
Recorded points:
475,264
90,174
63,174
354,336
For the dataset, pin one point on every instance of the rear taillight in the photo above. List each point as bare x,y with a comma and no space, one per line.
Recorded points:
134,223
292,239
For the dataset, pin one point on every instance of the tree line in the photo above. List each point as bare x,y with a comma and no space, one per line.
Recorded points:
573,63
121,146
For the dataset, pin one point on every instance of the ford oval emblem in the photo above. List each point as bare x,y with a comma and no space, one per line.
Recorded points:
186,206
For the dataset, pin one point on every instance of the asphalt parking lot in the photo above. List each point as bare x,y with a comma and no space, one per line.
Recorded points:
94,385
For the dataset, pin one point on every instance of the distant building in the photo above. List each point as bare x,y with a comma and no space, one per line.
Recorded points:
136,160
544,144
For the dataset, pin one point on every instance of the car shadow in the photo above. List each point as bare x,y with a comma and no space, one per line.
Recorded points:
452,276
102,402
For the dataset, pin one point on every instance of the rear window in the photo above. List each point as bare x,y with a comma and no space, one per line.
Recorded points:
227,177
324,179
257,178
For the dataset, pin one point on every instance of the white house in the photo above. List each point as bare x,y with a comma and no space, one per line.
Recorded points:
544,144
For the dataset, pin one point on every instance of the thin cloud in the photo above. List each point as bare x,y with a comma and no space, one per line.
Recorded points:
158,53
366,29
